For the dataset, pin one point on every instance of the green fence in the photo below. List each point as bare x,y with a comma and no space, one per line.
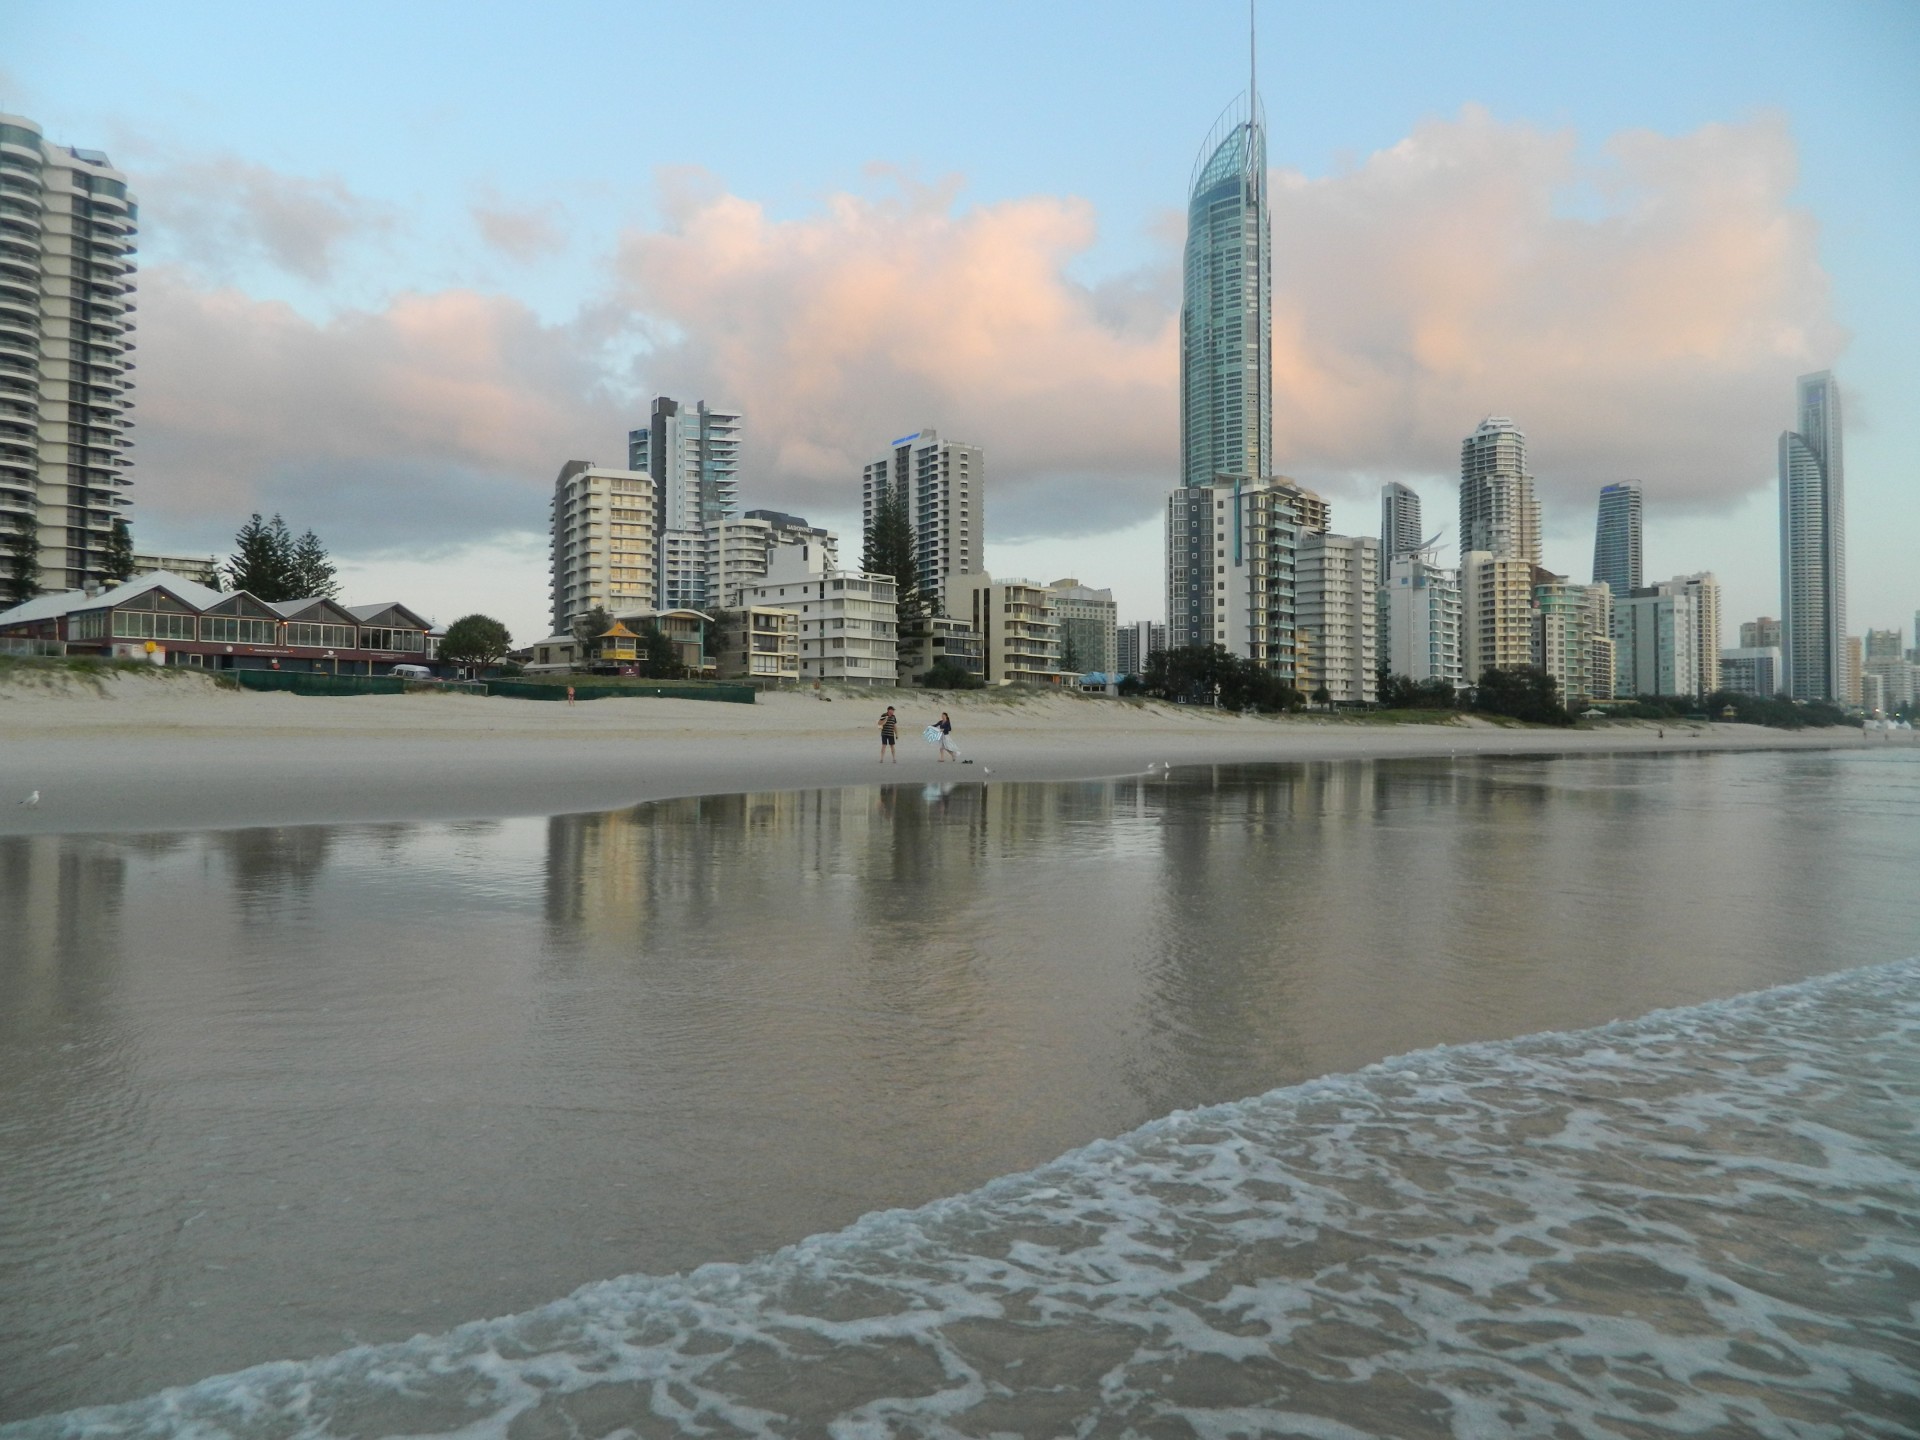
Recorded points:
315,682
661,689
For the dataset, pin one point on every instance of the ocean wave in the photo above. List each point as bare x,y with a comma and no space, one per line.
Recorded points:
1704,1220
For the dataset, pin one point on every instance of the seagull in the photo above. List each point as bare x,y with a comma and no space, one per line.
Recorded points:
33,799
986,770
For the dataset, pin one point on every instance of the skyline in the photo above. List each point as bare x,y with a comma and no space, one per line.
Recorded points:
438,347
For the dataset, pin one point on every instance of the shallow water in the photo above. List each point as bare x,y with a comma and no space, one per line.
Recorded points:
270,1093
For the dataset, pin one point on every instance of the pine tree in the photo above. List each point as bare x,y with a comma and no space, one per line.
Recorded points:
20,553
118,564
889,551
312,569
262,562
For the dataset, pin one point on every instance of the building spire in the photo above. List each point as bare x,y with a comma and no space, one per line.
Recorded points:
1253,88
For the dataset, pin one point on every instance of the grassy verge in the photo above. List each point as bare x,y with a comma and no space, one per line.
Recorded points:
48,671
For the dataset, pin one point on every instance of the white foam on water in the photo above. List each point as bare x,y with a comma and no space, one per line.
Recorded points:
1706,1220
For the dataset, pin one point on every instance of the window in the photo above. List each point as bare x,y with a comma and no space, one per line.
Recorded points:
320,637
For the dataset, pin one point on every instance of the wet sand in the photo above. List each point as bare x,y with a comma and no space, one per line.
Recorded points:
172,753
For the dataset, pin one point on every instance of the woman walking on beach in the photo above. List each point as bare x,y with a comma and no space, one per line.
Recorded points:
889,731
945,726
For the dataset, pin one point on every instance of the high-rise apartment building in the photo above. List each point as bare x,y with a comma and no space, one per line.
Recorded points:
1134,643
1852,662
1760,634
692,454
1089,628
1496,601
1883,645
736,553
1616,538
1572,636
944,485
1230,566
1399,522
1813,544
602,542
1751,670
1226,310
1420,621
1659,633
1336,585
1498,512
67,227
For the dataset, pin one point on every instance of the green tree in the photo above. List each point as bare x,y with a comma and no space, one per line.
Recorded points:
1069,653
476,640
945,675
118,564
890,549
310,569
1525,693
20,552
588,628
262,563
658,658
1202,674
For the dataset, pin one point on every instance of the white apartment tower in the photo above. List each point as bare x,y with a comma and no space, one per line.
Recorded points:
602,542
944,485
1336,578
848,619
1498,511
1089,627
692,454
1420,621
67,226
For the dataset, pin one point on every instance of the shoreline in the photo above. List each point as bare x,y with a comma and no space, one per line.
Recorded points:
135,755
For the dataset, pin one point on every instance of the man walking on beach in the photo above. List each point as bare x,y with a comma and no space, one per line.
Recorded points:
889,732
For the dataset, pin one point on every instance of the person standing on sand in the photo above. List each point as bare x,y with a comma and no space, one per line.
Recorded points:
889,732
945,726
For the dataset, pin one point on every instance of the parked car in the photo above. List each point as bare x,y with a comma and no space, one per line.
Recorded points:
412,672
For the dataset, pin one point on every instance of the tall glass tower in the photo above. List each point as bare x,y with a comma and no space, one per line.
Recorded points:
1399,522
1498,511
1616,539
1813,545
1226,312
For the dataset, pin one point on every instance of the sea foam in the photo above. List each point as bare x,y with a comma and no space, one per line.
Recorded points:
1705,1220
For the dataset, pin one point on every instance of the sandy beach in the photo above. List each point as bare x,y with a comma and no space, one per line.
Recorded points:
134,753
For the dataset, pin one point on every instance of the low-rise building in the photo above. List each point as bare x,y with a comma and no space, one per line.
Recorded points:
1018,628
937,639
849,619
1089,626
758,642
168,619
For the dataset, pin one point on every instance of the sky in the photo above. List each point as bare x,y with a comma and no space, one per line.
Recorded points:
398,263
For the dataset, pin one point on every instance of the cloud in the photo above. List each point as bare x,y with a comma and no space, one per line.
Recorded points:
436,419
1654,334
522,234
221,213
875,316
1641,313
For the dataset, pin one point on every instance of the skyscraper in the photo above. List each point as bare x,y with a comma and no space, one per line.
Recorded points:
67,226
1813,545
1616,539
944,485
1498,512
1399,523
1226,310
693,456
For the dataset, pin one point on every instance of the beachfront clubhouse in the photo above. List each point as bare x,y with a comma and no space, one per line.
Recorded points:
168,619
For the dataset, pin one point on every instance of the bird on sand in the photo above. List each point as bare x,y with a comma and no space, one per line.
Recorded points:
33,799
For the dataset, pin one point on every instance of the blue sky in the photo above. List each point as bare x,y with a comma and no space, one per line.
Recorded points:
572,206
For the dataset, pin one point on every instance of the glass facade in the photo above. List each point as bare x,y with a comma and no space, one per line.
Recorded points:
1226,312
1813,545
1616,539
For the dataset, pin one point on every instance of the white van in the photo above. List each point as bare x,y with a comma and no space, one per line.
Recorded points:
411,672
